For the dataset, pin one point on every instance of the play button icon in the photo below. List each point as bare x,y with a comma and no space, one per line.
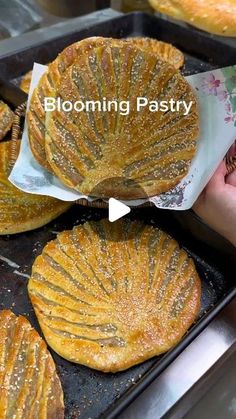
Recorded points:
117,210
109,191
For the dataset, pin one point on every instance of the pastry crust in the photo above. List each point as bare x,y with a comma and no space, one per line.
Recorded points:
26,81
29,384
6,119
20,211
214,16
163,50
153,149
112,295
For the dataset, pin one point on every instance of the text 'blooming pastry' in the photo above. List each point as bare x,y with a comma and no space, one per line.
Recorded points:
29,385
110,296
21,211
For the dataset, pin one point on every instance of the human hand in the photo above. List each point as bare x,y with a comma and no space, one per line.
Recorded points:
217,203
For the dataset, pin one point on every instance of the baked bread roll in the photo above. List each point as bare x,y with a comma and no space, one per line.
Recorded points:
111,296
153,149
214,16
163,50
6,119
29,385
20,211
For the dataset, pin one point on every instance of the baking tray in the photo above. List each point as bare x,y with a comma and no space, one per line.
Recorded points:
88,393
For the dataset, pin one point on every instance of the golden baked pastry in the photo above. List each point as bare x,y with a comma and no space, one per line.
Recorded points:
46,88
25,82
162,50
29,385
36,114
6,119
112,304
153,149
20,211
214,16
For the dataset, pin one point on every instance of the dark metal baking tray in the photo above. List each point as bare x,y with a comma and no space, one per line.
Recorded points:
88,393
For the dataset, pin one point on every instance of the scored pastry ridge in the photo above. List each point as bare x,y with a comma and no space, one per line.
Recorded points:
163,50
29,384
112,304
154,150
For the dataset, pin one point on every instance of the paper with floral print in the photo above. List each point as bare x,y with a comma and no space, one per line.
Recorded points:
216,93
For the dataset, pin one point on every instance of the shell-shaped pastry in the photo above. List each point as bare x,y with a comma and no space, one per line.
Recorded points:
20,211
152,148
29,385
52,78
163,50
110,296
25,82
46,88
6,119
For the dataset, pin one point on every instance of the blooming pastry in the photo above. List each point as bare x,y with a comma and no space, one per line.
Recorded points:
29,385
110,296
152,149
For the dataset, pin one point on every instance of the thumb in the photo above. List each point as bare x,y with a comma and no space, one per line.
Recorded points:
231,179
218,178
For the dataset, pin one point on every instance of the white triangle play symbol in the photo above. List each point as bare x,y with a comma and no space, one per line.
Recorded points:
117,210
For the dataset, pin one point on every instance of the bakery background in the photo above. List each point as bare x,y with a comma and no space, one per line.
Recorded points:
180,394
22,16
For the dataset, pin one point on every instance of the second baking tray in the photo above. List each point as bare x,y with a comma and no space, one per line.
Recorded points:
88,393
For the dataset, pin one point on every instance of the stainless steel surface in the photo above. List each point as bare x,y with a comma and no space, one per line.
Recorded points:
17,17
214,396
67,8
29,39
187,369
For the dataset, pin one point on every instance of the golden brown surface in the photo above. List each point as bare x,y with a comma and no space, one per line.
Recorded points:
112,304
6,119
46,88
20,211
154,149
214,16
29,385
162,50
25,82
